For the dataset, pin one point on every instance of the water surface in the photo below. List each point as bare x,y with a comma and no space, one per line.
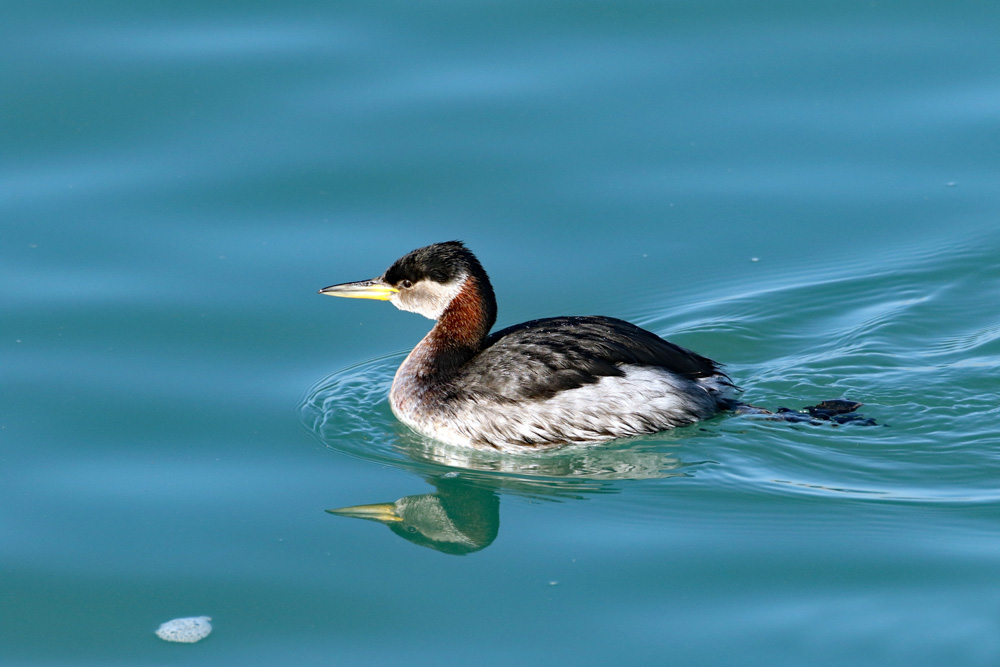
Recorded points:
809,194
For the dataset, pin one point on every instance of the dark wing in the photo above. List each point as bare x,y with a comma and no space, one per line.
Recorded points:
537,359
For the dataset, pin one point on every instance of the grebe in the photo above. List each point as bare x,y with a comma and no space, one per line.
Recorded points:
540,384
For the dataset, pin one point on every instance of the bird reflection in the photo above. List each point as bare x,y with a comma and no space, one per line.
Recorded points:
458,519
462,515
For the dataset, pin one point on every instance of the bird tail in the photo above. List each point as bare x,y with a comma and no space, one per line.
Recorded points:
837,411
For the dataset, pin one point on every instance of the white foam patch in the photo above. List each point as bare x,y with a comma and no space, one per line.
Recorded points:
185,630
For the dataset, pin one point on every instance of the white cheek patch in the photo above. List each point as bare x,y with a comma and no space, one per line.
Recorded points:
427,297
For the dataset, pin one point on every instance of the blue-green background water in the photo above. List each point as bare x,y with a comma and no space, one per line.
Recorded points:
808,192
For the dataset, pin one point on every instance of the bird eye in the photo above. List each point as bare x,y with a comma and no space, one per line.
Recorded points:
405,284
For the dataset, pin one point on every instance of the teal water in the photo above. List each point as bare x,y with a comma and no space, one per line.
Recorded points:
808,193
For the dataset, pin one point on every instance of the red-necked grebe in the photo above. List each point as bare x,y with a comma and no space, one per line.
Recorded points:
539,384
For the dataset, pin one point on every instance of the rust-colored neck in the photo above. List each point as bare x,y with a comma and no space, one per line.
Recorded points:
458,334
465,321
